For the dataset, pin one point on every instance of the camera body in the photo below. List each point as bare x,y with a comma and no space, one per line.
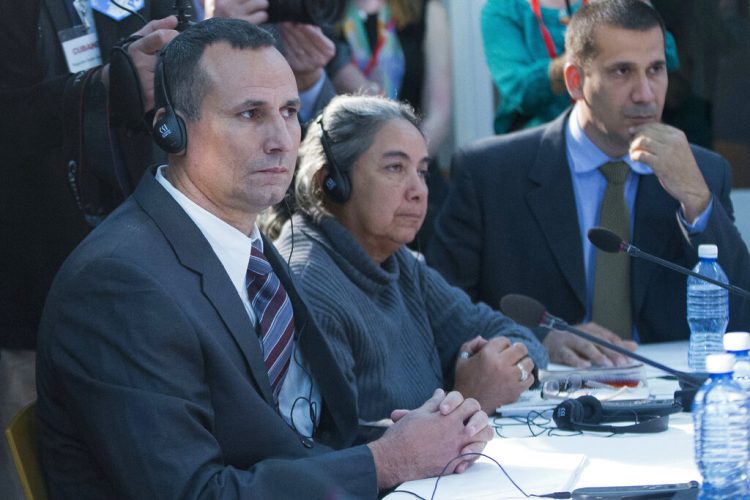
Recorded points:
319,12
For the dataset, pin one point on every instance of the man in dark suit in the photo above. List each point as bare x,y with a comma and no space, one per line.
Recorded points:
85,124
162,371
521,205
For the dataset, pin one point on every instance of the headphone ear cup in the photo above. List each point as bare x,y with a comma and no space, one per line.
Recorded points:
170,133
567,414
337,185
346,187
591,410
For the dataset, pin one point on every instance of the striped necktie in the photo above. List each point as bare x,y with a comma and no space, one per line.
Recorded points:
611,305
274,316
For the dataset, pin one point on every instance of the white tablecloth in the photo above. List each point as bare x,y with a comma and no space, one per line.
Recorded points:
627,459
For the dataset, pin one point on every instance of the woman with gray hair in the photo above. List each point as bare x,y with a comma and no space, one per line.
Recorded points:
398,328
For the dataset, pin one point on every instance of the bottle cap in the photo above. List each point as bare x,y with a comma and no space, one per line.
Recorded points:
736,341
708,251
720,363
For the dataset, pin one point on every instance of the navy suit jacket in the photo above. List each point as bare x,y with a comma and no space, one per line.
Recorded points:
151,382
510,225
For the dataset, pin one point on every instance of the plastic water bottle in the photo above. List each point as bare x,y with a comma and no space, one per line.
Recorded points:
721,418
738,344
707,309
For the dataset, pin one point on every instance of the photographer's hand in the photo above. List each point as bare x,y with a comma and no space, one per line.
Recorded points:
307,50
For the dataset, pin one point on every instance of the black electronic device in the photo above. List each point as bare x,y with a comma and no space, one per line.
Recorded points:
169,130
184,10
678,491
587,413
641,408
319,12
336,184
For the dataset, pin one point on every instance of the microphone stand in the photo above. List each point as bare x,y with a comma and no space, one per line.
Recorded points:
555,323
636,252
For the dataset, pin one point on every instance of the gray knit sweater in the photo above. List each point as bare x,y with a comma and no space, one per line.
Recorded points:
395,328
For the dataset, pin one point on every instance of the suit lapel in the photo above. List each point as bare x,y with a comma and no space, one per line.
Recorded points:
651,233
322,364
552,203
195,253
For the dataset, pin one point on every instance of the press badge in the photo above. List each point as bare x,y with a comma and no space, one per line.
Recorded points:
111,10
81,48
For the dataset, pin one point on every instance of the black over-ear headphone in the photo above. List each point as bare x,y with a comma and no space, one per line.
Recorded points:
169,131
336,183
586,414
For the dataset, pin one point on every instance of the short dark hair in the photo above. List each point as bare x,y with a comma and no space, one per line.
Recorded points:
636,15
187,82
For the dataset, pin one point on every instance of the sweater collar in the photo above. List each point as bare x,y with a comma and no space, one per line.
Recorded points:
348,253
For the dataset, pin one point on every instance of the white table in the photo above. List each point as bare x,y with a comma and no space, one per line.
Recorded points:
627,459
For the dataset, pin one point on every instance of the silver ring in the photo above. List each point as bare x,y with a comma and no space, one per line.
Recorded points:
463,355
524,373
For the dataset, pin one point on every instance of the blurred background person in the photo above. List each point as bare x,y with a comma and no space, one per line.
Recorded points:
401,49
524,44
396,326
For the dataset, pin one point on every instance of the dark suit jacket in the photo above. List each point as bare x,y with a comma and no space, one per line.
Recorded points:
151,381
510,225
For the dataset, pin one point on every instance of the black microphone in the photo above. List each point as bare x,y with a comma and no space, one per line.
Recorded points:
607,241
530,312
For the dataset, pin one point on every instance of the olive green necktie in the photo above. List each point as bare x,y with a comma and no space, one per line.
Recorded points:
611,307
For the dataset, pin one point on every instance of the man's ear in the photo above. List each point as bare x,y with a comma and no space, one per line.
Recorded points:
574,81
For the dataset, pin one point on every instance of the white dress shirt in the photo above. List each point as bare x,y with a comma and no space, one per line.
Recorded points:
233,249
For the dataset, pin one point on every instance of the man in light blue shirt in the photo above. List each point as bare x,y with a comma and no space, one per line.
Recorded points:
521,205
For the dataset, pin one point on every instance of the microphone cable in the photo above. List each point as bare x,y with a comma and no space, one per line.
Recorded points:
312,405
130,11
556,494
183,15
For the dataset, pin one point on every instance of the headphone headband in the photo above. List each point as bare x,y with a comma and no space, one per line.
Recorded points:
586,414
169,131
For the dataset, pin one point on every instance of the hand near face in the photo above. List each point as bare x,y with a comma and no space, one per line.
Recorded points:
667,151
490,374
252,11
422,442
307,50
144,51
567,349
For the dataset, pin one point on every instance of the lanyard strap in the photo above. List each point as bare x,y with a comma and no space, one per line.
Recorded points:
378,47
545,32
548,42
